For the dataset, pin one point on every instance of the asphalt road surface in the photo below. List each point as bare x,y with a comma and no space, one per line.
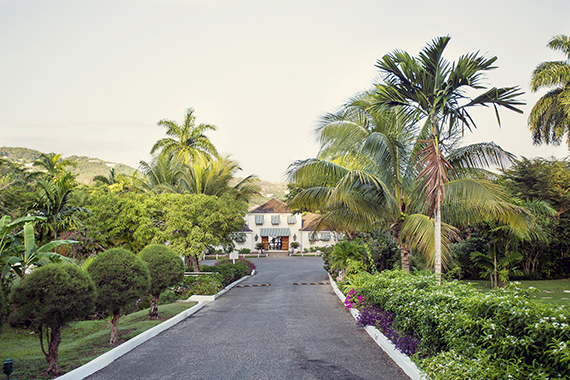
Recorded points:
280,331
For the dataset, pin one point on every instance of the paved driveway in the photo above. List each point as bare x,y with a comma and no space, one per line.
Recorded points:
281,331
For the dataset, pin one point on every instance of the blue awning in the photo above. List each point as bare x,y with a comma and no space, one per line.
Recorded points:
275,232
291,219
259,219
275,219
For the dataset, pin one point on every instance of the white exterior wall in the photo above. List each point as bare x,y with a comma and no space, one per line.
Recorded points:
256,228
306,242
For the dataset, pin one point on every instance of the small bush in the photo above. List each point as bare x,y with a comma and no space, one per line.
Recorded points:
230,272
245,251
201,285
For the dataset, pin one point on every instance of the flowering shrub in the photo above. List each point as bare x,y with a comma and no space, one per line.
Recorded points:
504,325
353,300
383,320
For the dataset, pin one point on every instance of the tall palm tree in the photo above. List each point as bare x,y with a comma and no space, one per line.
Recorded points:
549,119
437,93
369,159
186,141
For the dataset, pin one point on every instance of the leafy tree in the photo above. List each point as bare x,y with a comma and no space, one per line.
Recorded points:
110,180
166,269
190,222
54,164
549,119
50,297
186,141
120,278
16,188
434,90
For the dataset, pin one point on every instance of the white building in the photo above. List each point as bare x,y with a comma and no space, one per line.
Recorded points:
273,224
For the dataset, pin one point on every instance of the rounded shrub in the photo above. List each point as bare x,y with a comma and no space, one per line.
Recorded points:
166,269
48,298
121,278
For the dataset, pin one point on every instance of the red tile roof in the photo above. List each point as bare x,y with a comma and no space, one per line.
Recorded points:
272,206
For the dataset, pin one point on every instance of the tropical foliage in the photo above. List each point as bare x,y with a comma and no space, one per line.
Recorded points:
549,119
49,298
166,269
186,141
120,278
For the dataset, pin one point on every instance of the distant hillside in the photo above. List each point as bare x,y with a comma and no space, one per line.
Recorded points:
86,169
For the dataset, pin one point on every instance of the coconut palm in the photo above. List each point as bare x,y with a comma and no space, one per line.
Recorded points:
160,175
549,119
435,91
370,161
186,141
213,177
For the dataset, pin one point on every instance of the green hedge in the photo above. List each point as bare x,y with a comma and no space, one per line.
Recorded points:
500,334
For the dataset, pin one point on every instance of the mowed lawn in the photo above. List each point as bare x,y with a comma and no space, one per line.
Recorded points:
81,341
550,291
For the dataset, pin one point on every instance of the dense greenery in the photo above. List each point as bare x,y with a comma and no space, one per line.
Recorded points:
120,278
50,297
455,320
166,269
549,119
189,222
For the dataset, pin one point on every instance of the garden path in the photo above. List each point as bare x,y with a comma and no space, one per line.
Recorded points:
281,331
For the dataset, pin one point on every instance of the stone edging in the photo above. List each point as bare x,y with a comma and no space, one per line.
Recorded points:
402,360
108,357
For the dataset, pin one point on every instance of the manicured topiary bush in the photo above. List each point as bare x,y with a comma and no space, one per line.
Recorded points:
120,278
166,269
47,299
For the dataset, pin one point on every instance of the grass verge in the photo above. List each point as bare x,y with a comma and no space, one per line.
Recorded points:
549,291
81,341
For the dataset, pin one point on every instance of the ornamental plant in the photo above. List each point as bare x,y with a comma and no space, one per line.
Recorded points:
121,278
47,299
166,269
455,319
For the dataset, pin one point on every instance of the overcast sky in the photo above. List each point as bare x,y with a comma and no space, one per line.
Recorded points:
94,77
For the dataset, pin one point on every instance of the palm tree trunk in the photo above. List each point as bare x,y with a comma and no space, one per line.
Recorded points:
437,234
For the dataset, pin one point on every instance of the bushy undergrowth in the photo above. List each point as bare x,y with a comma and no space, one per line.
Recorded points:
230,272
463,328
202,285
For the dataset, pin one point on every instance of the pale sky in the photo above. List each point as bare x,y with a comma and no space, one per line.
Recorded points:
93,78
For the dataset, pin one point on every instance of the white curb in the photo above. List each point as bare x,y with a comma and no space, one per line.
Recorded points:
198,298
403,361
108,357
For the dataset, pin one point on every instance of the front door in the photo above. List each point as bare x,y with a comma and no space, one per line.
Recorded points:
285,243
265,241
